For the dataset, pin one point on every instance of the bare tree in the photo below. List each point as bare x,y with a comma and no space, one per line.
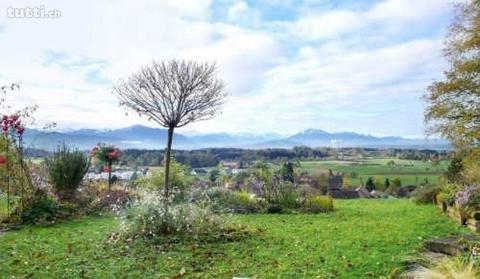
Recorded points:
173,93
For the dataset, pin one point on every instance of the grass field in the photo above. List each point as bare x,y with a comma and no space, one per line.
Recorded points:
361,239
411,172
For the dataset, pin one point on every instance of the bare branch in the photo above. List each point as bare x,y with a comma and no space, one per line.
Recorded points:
173,93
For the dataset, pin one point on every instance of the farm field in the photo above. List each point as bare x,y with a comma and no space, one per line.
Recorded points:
410,172
361,239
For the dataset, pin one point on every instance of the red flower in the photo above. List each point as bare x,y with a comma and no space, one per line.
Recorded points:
114,154
107,169
3,160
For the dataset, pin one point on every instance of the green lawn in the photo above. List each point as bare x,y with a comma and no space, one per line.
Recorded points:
409,171
361,239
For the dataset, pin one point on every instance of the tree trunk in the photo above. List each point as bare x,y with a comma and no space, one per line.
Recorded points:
167,162
109,176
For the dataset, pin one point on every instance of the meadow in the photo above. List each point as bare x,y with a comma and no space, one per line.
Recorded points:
410,172
361,239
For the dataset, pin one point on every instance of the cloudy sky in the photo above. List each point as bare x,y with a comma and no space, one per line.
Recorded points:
290,65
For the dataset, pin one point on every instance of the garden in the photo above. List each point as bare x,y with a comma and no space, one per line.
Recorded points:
55,223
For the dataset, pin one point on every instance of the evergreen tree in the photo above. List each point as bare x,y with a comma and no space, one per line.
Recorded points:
387,183
370,185
288,174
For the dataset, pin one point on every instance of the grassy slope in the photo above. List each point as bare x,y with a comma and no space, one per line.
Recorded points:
362,238
378,168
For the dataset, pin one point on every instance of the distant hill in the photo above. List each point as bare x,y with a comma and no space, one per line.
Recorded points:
141,137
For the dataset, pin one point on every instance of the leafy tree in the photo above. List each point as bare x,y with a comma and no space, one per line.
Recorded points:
391,163
454,104
370,184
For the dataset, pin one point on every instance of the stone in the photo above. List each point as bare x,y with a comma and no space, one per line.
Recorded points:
449,246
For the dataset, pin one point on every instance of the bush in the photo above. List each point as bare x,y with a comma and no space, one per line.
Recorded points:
274,209
113,200
41,210
318,204
426,194
66,169
180,180
223,200
243,202
148,219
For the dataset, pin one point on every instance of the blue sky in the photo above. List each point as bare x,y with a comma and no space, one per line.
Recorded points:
289,65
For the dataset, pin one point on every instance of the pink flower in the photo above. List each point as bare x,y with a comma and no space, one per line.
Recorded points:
3,160
20,130
107,169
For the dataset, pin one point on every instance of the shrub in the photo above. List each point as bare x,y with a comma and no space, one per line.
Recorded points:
317,204
112,200
41,210
447,194
180,180
243,202
148,219
218,198
274,209
426,194
221,199
66,169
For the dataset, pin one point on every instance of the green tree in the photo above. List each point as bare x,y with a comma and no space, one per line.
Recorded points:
288,173
370,184
386,184
391,163
454,170
66,169
453,109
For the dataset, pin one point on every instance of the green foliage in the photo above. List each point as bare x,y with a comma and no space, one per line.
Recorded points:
222,200
318,204
426,194
454,170
107,154
453,104
370,184
66,169
180,179
244,202
288,173
386,184
42,210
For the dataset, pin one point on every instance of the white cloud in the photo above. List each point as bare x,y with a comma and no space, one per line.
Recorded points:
339,69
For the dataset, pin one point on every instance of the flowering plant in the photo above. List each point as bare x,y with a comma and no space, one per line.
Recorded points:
467,201
108,155
468,197
12,124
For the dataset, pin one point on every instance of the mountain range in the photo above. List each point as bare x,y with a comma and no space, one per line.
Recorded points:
142,137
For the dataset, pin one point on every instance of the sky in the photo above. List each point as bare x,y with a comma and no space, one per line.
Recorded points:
289,65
